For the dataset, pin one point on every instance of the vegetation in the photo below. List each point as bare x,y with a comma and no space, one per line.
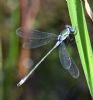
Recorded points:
50,81
82,39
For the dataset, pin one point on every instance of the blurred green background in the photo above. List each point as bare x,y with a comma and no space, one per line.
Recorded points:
50,81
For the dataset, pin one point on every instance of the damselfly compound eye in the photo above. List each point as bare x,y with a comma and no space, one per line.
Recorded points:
71,29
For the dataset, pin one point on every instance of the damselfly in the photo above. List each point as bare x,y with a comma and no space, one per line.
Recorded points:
36,39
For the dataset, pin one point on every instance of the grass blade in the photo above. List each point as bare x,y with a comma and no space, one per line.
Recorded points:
1,73
78,20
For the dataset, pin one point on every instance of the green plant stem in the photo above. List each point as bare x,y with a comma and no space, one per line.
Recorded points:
1,73
78,20
12,56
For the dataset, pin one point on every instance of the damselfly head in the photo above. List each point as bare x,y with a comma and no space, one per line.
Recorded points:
70,28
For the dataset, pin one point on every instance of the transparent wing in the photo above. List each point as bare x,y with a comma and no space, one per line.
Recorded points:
35,34
64,56
35,43
67,61
74,71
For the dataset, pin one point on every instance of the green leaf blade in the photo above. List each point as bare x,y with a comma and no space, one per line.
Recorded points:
78,20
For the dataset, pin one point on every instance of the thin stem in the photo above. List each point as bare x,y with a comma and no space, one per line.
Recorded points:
1,75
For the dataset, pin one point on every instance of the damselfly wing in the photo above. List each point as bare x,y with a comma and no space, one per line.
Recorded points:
35,38
67,62
64,56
